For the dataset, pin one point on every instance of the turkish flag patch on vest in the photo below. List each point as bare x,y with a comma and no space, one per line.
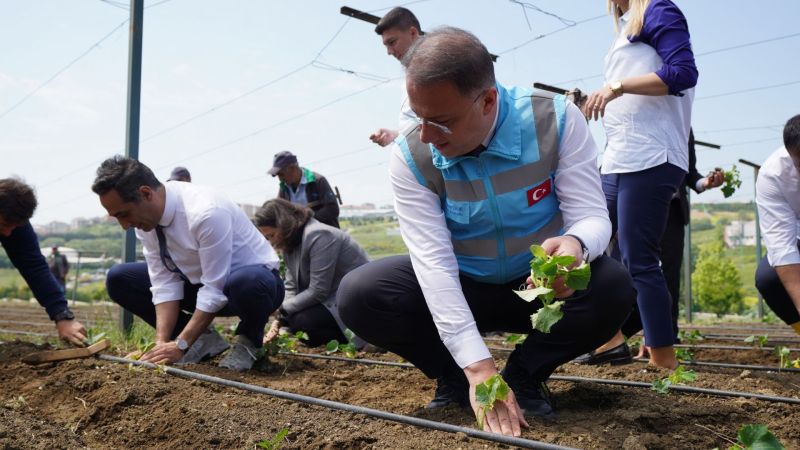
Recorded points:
536,193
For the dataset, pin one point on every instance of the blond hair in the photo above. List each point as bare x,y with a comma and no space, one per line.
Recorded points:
636,22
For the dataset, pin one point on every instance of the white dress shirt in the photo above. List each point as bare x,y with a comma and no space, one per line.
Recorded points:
208,236
778,200
424,230
643,131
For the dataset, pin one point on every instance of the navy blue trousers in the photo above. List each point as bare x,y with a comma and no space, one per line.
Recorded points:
638,205
253,292
775,295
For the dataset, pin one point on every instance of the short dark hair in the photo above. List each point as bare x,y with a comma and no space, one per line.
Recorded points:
288,218
791,135
450,54
400,18
17,200
126,176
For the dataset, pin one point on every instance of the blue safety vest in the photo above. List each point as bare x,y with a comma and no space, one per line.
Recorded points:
499,203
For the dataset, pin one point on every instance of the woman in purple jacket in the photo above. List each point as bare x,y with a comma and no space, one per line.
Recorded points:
646,107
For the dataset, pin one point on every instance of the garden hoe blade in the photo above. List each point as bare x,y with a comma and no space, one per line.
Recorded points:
70,353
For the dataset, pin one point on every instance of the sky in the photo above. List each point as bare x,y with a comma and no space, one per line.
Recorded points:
226,85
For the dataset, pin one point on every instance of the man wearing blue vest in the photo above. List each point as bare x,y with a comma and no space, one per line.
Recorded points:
487,171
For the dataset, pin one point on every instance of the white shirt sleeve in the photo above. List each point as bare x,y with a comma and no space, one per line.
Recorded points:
165,286
778,221
214,235
425,233
578,187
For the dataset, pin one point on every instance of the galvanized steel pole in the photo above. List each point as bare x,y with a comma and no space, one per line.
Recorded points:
132,125
756,167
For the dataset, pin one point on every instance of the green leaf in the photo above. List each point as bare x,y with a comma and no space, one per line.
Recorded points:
563,260
491,390
301,335
514,339
758,437
530,295
547,316
549,269
579,277
332,346
661,386
349,335
538,251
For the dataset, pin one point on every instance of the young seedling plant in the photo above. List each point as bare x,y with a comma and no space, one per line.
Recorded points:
275,442
93,336
783,353
758,340
679,376
684,354
284,342
690,337
487,393
756,437
349,349
514,339
732,181
544,271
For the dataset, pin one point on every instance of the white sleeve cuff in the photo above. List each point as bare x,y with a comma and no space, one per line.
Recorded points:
595,232
210,300
699,186
784,257
169,292
467,347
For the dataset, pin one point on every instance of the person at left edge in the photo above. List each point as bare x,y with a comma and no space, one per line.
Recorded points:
17,204
202,254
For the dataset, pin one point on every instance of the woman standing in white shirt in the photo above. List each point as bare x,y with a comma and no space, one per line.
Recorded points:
645,107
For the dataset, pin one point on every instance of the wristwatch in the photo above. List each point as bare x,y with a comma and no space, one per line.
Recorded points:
181,344
64,315
584,248
616,88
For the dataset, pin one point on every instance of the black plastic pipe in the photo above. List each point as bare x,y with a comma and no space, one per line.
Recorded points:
433,425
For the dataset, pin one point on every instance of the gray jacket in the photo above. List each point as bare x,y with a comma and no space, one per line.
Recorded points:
316,266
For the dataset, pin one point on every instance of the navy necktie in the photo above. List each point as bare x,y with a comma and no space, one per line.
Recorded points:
166,259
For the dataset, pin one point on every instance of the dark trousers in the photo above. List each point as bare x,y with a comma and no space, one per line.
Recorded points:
253,292
638,205
671,263
382,302
318,323
775,295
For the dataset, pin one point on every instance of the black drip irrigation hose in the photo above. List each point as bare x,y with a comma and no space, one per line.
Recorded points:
575,379
729,366
439,426
691,347
678,388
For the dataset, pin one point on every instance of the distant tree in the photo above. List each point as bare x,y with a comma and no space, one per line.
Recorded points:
716,284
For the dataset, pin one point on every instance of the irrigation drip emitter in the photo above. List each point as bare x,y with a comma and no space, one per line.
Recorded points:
408,420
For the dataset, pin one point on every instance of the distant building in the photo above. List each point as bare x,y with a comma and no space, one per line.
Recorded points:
366,210
55,227
79,223
740,233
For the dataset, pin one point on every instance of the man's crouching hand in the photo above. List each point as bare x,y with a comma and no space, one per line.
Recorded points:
163,353
505,417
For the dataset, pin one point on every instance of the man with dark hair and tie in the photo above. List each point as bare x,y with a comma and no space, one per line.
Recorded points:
202,254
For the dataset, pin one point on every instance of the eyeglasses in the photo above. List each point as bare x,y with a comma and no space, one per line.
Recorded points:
442,128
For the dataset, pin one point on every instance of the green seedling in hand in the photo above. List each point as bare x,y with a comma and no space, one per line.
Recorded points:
544,271
756,437
732,181
758,340
275,442
284,342
679,376
515,339
690,337
349,349
487,393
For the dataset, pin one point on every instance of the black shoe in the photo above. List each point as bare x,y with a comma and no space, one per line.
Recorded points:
451,389
616,356
532,395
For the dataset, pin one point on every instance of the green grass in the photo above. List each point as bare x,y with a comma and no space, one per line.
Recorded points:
378,239
10,276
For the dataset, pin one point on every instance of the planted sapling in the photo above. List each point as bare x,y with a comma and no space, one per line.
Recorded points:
487,393
514,339
690,337
275,442
684,354
732,181
758,340
545,269
349,349
756,436
679,376
783,353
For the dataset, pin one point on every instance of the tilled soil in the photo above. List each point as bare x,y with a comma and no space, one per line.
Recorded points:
97,404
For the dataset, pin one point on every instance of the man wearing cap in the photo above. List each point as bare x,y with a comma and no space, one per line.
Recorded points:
180,174
305,187
59,266
398,29
17,204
